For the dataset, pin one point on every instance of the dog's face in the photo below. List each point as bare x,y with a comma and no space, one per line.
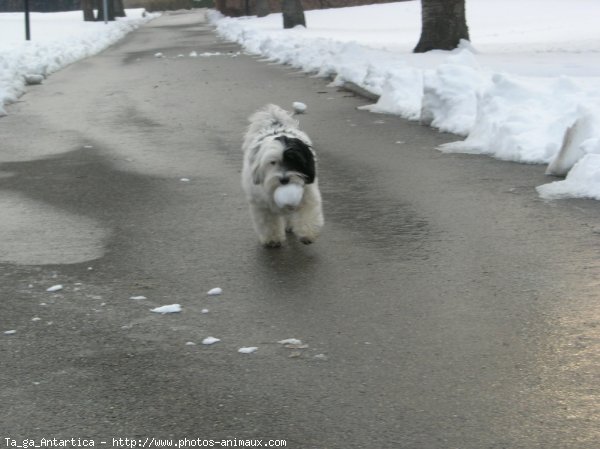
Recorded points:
284,160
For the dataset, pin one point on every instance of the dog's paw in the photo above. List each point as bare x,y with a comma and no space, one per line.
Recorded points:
306,240
272,244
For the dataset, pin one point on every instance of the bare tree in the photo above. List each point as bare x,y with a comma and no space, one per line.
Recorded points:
87,6
293,13
262,8
115,9
444,24
110,10
119,8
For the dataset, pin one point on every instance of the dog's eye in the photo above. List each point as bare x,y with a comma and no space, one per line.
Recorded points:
273,162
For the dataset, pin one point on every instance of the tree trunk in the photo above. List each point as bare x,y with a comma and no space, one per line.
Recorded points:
262,8
110,13
119,8
87,6
293,14
444,24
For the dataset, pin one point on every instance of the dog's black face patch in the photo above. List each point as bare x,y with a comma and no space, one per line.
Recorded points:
298,157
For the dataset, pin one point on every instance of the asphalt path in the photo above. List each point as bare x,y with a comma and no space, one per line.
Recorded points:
444,306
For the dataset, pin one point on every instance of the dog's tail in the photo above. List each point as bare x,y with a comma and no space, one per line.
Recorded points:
271,116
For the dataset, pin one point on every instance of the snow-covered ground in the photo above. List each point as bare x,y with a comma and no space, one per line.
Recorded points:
57,39
531,71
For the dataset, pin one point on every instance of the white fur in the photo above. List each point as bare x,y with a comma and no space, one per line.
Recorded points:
261,175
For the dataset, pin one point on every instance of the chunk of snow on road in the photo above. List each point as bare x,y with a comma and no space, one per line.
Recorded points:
33,79
193,54
210,341
55,288
214,291
247,350
205,310
172,308
185,179
10,332
137,297
293,343
299,107
290,341
190,343
158,55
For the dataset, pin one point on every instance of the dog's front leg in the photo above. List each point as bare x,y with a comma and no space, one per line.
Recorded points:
270,227
307,222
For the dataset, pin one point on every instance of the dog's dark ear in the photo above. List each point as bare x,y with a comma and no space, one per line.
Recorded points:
283,140
299,157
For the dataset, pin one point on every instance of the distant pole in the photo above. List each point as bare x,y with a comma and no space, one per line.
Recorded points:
105,5
27,28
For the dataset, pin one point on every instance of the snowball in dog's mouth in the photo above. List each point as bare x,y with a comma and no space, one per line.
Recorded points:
288,195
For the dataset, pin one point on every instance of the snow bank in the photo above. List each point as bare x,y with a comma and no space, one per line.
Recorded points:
58,39
534,73
582,181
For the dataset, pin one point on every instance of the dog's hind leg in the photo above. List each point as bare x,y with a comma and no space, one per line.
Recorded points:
269,226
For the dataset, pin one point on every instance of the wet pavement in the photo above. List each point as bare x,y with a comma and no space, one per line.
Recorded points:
444,306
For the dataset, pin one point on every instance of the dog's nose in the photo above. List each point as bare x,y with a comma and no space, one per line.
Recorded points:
284,181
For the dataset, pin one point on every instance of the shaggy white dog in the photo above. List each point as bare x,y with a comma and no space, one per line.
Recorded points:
280,178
